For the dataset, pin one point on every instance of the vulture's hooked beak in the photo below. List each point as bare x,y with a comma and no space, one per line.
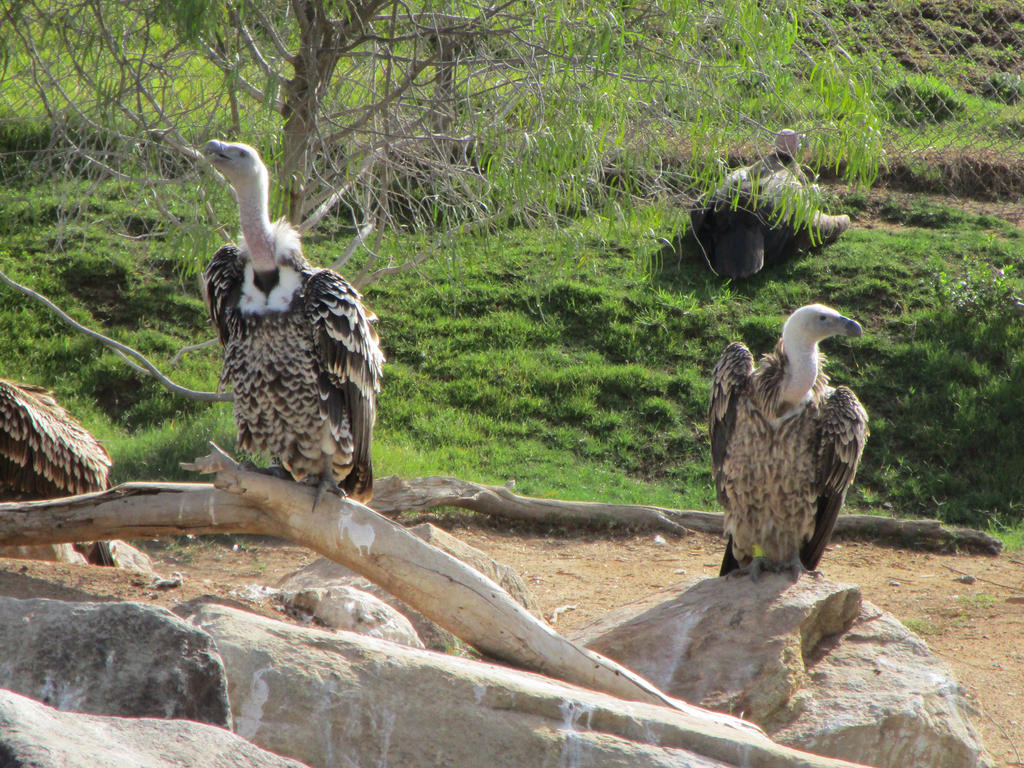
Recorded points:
851,327
215,150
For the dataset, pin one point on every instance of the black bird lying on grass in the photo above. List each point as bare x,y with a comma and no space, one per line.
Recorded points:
744,225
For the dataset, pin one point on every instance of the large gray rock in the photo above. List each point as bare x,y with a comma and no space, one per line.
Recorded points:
33,735
324,574
343,699
880,693
111,659
808,661
345,607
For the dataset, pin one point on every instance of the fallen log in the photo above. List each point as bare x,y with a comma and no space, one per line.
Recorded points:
393,495
436,584
428,579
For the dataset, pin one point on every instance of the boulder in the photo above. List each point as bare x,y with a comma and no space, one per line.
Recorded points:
122,554
130,558
343,699
324,573
878,692
33,735
351,609
111,659
810,662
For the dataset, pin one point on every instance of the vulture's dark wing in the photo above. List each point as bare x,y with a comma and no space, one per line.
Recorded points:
844,429
729,381
739,242
350,358
222,287
44,452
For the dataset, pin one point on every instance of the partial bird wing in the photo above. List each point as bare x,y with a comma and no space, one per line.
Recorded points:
222,287
44,452
729,380
739,242
844,429
348,349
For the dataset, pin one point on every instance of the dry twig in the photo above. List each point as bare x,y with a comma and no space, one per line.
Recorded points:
982,578
126,352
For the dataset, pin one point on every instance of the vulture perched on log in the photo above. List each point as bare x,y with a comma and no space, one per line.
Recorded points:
743,226
45,453
300,350
784,446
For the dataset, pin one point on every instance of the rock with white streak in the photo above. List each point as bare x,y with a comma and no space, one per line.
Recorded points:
331,699
33,735
351,609
130,558
324,574
811,663
121,659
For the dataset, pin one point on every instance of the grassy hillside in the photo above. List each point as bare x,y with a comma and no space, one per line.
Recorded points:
574,361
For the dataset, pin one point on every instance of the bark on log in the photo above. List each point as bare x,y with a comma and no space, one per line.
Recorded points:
393,495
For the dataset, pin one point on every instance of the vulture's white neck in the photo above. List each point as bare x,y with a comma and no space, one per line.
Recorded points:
254,216
802,360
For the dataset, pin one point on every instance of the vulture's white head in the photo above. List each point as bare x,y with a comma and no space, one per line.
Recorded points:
787,141
240,164
809,325
800,336
268,245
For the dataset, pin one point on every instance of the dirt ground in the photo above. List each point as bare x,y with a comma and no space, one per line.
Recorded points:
976,627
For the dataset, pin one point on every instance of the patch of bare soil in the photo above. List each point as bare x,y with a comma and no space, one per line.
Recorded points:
969,609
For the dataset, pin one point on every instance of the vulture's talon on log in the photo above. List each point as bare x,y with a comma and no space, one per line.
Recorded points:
324,484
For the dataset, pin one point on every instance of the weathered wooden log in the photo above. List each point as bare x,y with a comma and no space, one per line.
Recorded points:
393,495
438,585
442,588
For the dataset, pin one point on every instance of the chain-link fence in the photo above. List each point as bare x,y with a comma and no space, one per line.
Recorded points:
950,75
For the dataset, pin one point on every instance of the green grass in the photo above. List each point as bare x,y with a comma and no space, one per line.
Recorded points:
575,361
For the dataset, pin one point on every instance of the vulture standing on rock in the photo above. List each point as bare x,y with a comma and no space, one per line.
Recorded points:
784,446
45,454
742,226
300,350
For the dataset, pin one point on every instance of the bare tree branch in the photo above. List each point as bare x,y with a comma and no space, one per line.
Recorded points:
355,243
145,366
192,348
